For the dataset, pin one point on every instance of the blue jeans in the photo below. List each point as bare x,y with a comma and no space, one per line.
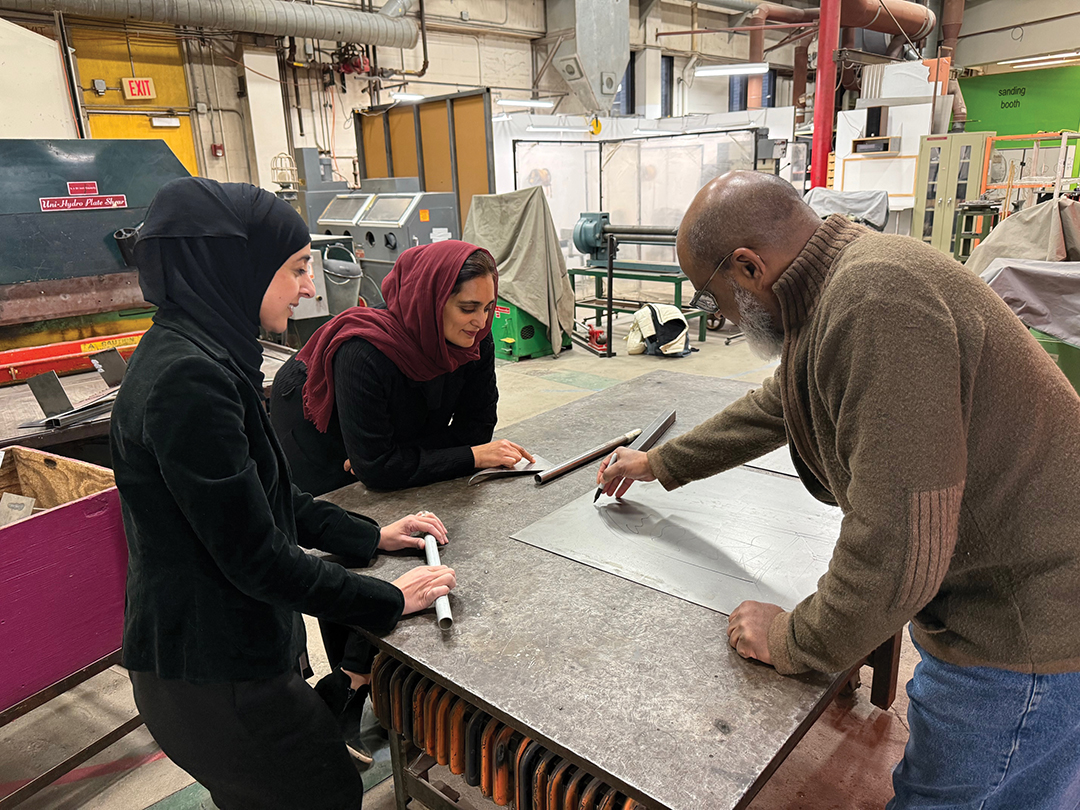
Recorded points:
989,739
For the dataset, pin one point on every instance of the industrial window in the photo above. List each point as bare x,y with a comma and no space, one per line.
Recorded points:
737,91
667,86
624,96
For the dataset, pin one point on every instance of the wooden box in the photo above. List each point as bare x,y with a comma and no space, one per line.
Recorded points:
62,572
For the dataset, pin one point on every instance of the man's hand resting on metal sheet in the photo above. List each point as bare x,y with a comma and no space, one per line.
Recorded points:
748,629
499,453
402,533
628,466
423,585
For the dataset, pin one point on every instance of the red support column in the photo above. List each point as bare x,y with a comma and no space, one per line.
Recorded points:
825,93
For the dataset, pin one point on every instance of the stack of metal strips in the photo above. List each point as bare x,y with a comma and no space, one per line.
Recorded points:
507,766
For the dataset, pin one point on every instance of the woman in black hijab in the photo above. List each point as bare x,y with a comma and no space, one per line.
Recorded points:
216,577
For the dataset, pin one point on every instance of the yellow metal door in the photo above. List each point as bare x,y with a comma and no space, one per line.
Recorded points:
113,57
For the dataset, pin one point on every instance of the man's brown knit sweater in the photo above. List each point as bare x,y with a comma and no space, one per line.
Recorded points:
913,396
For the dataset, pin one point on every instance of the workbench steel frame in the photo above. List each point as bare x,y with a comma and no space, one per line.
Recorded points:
410,766
628,671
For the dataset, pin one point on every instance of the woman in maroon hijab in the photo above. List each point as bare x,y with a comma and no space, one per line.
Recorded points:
404,396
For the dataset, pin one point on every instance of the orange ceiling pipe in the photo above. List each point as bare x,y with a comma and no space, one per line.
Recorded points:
884,16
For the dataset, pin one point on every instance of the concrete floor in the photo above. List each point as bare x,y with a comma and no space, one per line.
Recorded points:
845,761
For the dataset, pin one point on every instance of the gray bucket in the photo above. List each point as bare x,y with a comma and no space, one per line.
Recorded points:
342,281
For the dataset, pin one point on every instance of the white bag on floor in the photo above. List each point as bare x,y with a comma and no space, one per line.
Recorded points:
659,329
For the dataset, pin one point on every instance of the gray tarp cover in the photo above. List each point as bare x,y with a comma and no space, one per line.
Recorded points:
1044,295
516,228
873,206
1049,232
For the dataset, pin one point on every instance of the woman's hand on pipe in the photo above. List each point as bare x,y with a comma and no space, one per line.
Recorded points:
423,585
621,469
402,533
500,453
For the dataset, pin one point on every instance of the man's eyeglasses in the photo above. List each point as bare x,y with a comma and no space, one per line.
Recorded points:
704,299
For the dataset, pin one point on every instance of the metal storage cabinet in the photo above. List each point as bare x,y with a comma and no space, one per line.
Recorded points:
948,174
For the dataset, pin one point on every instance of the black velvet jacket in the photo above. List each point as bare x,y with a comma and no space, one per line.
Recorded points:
397,432
216,576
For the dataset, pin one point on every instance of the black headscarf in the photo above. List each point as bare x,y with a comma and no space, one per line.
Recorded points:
210,250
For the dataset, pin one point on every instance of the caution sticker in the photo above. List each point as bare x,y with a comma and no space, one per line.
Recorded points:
109,343
425,215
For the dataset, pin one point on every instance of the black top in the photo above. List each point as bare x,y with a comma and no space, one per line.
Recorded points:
397,432
216,576
210,250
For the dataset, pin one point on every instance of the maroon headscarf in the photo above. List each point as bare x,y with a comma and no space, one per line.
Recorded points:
409,331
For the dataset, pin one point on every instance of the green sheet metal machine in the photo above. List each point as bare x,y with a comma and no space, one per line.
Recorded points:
63,202
595,236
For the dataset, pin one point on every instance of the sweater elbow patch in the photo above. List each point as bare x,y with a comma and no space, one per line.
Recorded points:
933,527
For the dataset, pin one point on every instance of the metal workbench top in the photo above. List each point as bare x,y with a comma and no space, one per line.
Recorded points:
631,682
18,406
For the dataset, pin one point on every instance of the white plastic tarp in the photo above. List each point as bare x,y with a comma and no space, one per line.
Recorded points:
873,206
1044,295
1049,232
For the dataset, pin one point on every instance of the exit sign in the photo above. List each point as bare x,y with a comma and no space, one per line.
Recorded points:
139,88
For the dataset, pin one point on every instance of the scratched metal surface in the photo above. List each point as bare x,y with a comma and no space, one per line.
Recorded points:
631,682
18,406
739,535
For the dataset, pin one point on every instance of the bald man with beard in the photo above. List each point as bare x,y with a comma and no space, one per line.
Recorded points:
912,397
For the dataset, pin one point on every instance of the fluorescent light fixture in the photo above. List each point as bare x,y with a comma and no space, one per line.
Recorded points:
1047,58
557,129
496,118
1055,63
164,121
538,103
407,96
743,69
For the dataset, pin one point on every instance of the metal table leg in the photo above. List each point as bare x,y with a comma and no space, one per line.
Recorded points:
886,663
397,764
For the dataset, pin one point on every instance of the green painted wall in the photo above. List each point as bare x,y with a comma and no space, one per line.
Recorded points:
1024,101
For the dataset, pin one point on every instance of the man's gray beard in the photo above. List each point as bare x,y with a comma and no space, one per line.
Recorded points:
763,336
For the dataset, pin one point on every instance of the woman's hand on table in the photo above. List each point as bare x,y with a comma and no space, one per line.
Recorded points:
500,453
402,533
423,585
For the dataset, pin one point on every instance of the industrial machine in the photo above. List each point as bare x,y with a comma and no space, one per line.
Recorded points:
518,335
316,184
63,277
595,236
388,216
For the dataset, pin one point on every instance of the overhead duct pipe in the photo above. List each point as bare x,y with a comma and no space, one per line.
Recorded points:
888,17
762,13
271,17
952,18
798,82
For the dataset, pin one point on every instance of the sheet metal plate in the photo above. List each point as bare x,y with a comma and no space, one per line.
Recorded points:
778,461
739,535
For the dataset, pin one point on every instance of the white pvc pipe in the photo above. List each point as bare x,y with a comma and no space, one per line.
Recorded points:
442,604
